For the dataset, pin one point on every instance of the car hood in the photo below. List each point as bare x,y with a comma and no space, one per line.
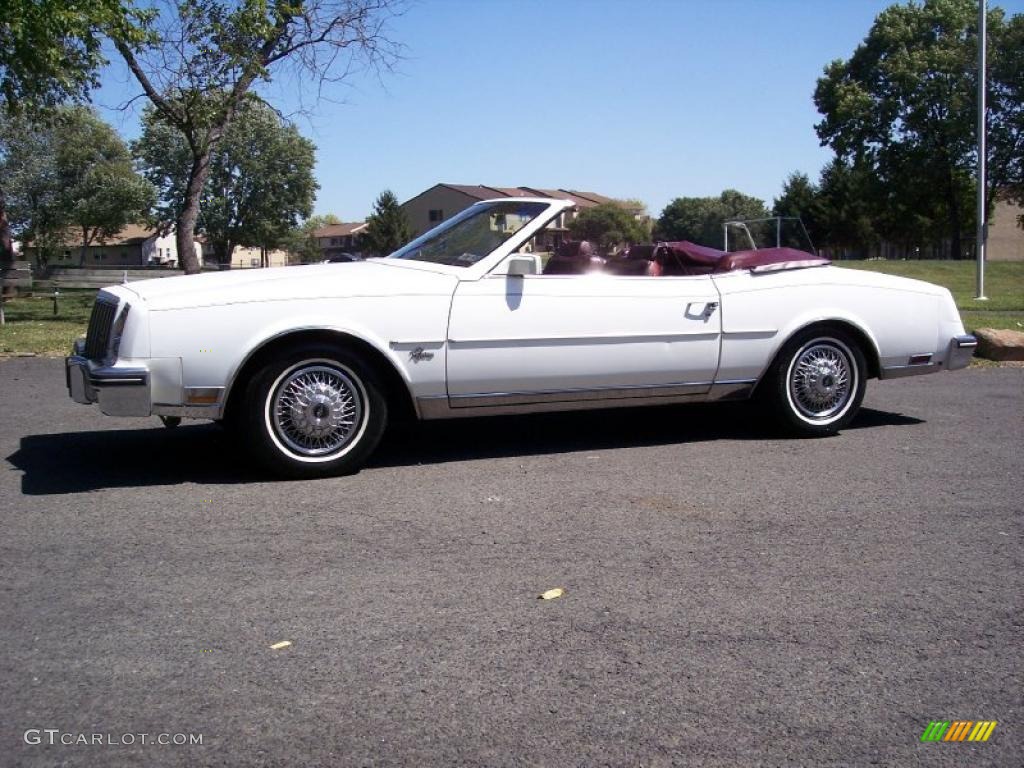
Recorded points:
315,281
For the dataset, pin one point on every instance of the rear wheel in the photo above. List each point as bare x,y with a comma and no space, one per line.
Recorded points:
316,411
817,382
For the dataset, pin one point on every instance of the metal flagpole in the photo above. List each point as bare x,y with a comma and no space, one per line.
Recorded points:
982,211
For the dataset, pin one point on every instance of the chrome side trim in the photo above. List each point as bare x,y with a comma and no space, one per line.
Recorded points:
786,265
901,371
754,332
737,389
604,338
188,411
412,344
438,408
490,399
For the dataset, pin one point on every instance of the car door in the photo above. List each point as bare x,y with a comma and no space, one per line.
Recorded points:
541,338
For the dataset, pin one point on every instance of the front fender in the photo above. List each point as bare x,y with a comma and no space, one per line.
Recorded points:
214,343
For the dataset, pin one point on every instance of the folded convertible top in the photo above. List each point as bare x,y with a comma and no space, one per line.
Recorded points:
759,260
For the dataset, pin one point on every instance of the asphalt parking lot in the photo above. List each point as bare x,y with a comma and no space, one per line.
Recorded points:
730,598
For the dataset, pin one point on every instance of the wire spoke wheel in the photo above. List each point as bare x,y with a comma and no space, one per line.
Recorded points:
822,380
316,409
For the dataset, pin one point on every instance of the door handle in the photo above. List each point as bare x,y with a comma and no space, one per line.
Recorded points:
707,309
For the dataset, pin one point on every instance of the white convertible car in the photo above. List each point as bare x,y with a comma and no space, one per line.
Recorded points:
469,319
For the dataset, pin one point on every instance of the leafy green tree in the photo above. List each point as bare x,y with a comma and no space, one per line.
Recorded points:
197,61
904,107
260,182
28,167
387,228
1006,111
100,190
164,158
70,171
801,198
700,219
608,225
301,240
633,205
848,216
50,51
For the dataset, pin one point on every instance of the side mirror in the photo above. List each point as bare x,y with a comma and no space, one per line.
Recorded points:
519,264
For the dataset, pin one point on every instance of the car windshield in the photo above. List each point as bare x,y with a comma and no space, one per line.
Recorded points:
472,234
774,232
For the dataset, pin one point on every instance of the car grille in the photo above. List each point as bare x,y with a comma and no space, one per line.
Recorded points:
97,339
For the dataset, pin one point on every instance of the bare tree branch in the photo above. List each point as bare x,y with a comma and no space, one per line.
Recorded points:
162,104
200,59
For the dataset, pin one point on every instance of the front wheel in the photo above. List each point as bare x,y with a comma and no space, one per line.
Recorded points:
315,412
817,382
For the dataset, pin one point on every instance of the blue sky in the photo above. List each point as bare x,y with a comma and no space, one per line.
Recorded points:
648,99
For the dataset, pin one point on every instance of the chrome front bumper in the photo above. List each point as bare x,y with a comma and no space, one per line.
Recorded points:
120,391
961,350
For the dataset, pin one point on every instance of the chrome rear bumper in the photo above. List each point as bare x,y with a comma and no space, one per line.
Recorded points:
958,355
961,350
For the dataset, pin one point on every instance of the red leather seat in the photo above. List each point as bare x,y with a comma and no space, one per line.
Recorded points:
574,257
637,260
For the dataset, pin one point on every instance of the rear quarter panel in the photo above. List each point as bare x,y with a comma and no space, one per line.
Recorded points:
760,312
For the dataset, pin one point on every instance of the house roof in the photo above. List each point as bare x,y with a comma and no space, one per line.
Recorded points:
132,234
582,199
488,192
340,230
506,191
474,190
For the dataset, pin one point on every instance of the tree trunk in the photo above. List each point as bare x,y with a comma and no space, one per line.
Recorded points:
85,246
6,243
6,251
184,235
954,217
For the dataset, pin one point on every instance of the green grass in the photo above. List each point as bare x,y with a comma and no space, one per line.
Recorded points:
1004,286
32,327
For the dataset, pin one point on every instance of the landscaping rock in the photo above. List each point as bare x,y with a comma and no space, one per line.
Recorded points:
1000,344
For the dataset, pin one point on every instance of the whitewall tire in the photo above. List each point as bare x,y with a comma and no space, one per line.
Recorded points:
314,412
816,382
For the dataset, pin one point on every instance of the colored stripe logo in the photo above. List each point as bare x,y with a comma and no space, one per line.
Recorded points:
958,730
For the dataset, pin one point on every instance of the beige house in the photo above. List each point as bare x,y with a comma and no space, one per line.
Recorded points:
337,239
442,201
1005,236
133,246
247,258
